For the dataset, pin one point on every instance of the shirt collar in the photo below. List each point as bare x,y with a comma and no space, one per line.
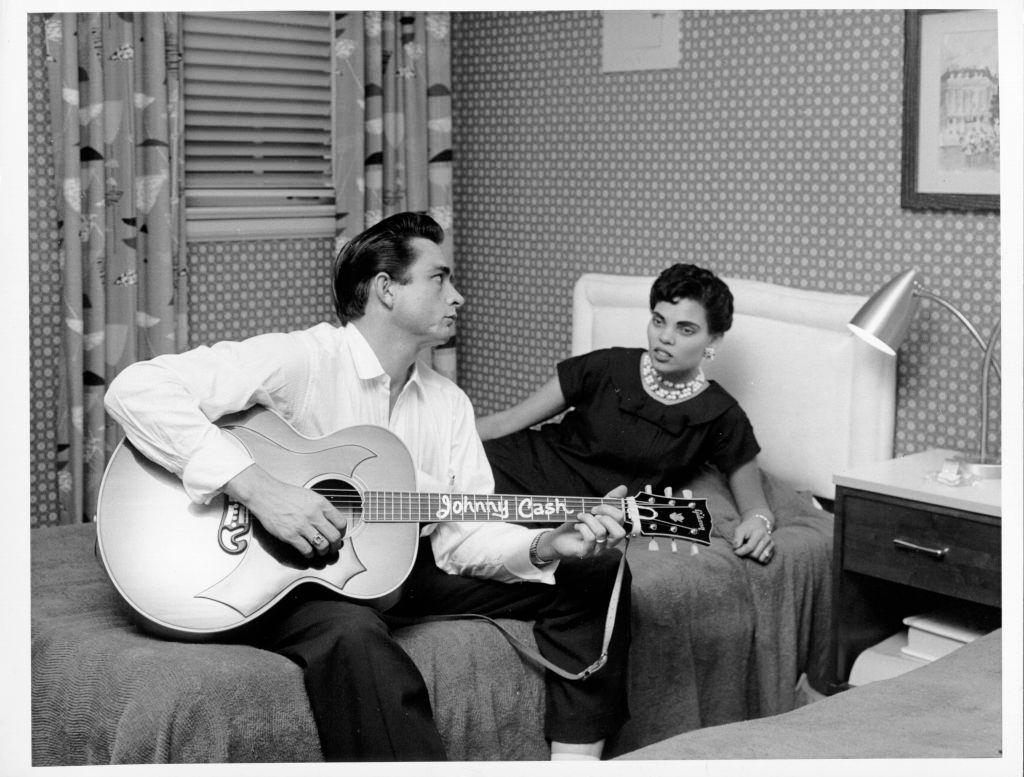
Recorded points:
368,366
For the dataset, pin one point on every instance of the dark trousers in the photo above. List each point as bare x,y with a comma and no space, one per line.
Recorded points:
369,700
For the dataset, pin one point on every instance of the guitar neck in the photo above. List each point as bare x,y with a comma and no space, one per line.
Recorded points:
431,508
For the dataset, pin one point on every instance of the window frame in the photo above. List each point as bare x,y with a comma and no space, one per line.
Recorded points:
254,220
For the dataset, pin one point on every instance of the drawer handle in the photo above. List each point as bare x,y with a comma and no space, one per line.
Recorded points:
937,553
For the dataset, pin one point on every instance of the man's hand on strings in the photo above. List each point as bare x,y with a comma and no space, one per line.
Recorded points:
297,516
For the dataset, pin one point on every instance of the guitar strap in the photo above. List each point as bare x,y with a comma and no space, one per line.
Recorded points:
534,655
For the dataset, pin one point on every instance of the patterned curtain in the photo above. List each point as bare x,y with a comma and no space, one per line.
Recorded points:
393,124
114,85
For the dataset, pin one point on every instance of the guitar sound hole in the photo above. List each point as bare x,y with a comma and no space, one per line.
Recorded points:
344,497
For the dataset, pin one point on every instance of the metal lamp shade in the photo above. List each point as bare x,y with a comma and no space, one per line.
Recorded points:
884,319
883,322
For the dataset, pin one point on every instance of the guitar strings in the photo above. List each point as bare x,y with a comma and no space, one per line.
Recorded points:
418,501
348,496
339,496
475,497
376,502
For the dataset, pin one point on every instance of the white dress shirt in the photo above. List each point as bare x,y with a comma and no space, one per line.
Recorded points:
319,380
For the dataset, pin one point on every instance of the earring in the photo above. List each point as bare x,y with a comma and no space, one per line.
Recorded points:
709,353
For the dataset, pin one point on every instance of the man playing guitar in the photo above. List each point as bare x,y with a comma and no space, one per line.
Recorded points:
394,296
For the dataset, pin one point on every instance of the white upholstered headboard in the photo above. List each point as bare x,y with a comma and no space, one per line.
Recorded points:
819,398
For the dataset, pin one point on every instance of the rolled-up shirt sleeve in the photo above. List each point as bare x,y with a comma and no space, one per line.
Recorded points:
167,405
498,551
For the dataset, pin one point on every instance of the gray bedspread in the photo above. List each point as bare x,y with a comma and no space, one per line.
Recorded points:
105,692
950,708
716,639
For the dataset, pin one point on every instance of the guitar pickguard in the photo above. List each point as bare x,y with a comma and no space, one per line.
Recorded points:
272,567
268,564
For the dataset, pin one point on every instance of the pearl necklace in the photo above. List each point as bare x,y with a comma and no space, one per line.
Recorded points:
667,389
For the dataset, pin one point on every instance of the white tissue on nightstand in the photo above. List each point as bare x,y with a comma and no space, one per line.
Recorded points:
950,473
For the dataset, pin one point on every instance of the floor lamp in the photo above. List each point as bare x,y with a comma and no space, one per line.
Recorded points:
883,321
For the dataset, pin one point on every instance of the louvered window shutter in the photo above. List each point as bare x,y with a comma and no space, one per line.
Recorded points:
258,123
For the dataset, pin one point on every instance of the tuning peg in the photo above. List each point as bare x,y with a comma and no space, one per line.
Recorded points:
674,548
694,550
653,545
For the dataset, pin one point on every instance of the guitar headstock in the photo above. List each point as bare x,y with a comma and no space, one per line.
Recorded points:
673,517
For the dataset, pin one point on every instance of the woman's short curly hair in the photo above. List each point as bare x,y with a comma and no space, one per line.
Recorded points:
688,281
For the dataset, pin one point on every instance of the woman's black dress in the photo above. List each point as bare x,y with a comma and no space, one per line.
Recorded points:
616,433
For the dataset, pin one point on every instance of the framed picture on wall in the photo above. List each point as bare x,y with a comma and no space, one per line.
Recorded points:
951,111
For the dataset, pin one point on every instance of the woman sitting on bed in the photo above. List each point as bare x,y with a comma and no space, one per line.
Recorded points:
643,417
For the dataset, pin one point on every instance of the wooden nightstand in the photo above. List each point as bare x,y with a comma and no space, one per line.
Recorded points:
906,544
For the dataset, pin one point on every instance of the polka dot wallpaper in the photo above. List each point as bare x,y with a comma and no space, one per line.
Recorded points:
773,152
45,321
237,290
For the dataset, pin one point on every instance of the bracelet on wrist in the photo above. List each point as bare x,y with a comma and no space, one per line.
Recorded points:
767,522
535,559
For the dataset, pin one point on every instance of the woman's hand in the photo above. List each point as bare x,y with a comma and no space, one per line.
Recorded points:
588,536
752,538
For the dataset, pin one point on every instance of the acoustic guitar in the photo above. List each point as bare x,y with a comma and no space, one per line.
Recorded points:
196,572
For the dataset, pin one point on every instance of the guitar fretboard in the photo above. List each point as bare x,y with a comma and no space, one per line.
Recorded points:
430,508
647,514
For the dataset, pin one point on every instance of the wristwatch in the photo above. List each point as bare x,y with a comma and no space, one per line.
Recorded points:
536,560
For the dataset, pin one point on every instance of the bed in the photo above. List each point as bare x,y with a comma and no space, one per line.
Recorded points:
820,401
716,639
892,718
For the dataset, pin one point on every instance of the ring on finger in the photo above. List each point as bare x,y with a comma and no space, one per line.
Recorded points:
318,539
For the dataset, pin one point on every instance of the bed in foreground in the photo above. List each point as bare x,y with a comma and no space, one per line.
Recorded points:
716,638
949,708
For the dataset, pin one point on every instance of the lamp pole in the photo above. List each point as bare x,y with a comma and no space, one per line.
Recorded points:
988,361
981,468
920,291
